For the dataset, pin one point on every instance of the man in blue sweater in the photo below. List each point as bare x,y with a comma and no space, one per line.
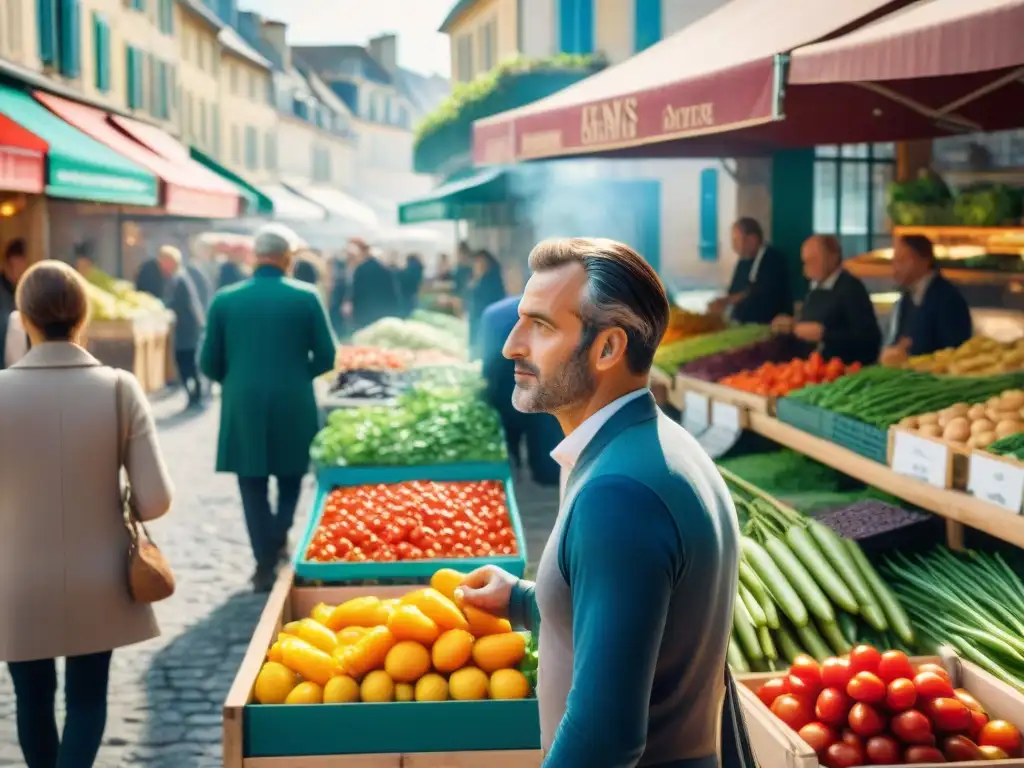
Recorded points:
634,593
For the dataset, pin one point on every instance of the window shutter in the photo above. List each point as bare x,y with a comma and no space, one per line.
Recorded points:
101,51
69,34
46,11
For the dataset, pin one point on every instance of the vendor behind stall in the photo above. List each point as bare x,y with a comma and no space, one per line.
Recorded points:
837,317
760,286
931,314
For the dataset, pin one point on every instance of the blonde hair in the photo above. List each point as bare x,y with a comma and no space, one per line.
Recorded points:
170,252
52,296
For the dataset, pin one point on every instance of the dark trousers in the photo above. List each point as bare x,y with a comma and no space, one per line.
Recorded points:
268,532
188,372
85,695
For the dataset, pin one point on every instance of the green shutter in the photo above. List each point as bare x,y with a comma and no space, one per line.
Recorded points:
46,12
136,77
101,51
69,33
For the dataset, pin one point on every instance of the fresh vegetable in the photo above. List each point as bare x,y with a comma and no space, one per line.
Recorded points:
869,518
670,356
775,349
455,326
392,333
413,521
975,426
352,358
978,356
368,385
1011,445
781,379
683,324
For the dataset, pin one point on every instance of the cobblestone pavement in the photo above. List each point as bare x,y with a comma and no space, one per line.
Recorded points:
166,694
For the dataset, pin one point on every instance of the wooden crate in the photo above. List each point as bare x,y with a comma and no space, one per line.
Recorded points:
957,457
287,602
745,401
123,344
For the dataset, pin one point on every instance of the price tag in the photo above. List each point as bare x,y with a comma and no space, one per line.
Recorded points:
997,482
920,458
718,440
695,412
726,416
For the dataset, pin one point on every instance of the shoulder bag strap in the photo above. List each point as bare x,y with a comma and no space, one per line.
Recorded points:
131,516
736,749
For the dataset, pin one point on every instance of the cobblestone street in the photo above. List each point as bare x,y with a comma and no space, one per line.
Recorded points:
166,695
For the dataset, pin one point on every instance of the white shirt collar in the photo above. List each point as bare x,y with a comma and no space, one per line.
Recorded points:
757,263
829,282
568,452
920,288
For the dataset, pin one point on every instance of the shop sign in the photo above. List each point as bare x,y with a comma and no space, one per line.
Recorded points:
540,144
726,416
685,119
609,122
920,458
996,481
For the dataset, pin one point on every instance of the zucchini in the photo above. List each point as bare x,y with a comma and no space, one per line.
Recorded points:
736,659
898,620
787,644
774,581
804,584
834,637
806,549
744,632
749,579
846,568
753,607
764,637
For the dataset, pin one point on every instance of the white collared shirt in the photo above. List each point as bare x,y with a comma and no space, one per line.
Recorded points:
920,288
829,282
568,452
757,263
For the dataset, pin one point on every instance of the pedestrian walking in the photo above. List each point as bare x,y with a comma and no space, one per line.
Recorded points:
182,298
373,288
486,288
63,539
642,562
13,267
267,339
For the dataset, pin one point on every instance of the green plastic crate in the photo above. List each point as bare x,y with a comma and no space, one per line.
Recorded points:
807,418
863,439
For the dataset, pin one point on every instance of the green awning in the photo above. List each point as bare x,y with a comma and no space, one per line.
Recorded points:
256,203
77,166
447,202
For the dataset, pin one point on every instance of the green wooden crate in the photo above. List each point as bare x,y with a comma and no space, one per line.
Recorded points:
807,418
863,439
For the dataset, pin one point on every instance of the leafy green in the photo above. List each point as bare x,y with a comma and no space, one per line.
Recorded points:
392,333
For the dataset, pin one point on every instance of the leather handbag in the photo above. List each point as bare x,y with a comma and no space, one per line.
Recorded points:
150,578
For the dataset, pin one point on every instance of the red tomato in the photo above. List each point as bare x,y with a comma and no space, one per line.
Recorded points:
806,668
832,706
851,738
912,727
893,665
930,685
917,755
993,753
803,687
844,755
818,736
949,715
978,721
866,687
836,673
999,733
969,701
938,669
865,720
771,690
882,750
961,749
900,694
864,658
793,711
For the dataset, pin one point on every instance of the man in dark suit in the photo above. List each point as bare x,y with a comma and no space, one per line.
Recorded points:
150,278
760,289
837,318
267,339
373,292
229,273
181,297
931,314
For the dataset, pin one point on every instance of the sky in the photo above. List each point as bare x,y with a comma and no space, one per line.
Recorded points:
320,22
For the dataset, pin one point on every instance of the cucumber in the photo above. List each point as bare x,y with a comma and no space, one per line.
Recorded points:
764,637
805,548
804,584
899,622
848,626
744,632
777,585
753,607
846,568
787,644
736,659
770,614
749,579
834,637
813,642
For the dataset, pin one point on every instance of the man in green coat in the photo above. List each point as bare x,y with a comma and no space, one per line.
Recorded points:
267,339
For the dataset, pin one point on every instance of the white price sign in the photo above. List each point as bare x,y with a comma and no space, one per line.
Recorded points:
920,458
726,416
997,482
695,412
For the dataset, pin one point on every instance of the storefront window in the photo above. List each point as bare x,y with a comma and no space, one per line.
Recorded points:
850,183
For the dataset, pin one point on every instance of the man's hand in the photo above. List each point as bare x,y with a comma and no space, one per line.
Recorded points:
810,332
783,324
718,306
489,589
893,356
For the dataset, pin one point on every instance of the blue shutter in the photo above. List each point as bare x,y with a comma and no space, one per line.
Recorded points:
647,26
585,31
46,12
101,51
576,26
69,33
709,214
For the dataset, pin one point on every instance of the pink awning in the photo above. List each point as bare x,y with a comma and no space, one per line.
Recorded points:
189,189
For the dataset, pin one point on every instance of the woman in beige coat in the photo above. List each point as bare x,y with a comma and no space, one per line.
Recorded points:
63,541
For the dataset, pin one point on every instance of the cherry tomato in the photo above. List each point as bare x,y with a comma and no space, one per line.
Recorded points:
999,733
893,665
866,687
993,753
793,711
818,736
836,673
969,701
832,706
806,668
949,715
978,721
912,727
865,720
930,685
938,669
803,686
851,738
864,658
882,750
771,690
844,755
900,694
961,749
917,755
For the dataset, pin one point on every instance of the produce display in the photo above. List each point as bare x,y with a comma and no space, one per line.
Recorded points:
974,603
867,519
803,589
779,379
670,356
449,323
113,299
882,396
427,425
973,426
368,384
683,324
878,708
424,646
1012,446
978,356
352,358
714,367
416,520
924,200
393,333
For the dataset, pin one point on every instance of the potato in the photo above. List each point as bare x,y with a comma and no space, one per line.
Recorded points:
958,430
945,417
976,413
928,418
972,442
1006,427
958,409
993,403
931,430
985,439
910,422
981,426
1011,400
998,416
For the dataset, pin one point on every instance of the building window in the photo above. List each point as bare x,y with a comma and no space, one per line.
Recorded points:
252,148
69,35
464,58
215,125
139,5
165,16
135,77
202,121
647,24
188,112
201,53
850,183
253,87
101,50
488,45
236,148
322,165
270,151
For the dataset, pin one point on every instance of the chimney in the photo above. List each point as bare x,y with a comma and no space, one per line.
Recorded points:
384,49
274,34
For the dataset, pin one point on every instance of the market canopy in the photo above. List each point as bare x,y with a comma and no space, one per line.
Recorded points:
77,167
338,205
448,201
188,188
256,203
22,157
289,206
722,73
